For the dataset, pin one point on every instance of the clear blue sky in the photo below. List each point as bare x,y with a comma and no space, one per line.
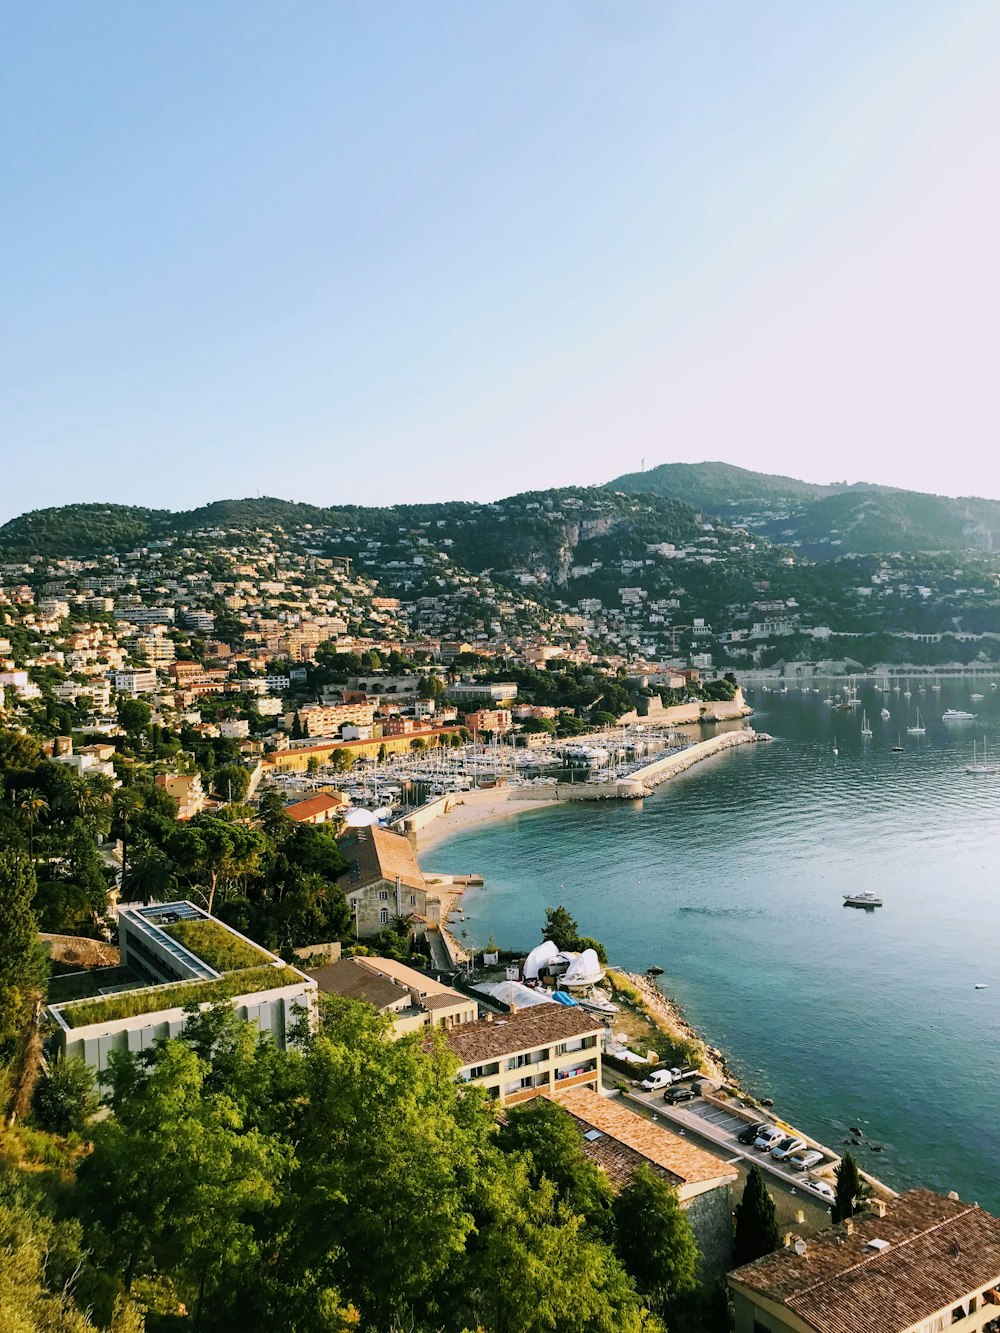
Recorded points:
436,249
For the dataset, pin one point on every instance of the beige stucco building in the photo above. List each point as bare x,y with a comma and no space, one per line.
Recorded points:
411,999
516,1056
919,1263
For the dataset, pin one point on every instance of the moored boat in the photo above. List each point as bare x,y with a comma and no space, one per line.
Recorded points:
862,900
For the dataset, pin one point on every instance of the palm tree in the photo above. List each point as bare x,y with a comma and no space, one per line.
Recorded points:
93,802
33,806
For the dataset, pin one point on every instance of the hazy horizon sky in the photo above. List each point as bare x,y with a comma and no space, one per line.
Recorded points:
427,249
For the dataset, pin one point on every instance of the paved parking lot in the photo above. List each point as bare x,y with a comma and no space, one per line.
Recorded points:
717,1129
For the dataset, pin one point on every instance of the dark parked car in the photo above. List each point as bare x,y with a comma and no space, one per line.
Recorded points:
681,1094
750,1133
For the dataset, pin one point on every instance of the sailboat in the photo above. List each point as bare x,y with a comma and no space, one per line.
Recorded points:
865,728
835,750
981,765
919,729
907,693
898,747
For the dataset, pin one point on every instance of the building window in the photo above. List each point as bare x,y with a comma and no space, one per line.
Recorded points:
383,895
383,916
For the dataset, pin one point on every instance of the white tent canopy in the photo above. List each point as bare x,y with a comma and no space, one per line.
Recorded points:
542,953
359,818
514,994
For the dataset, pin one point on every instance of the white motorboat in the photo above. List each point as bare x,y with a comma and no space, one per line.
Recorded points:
885,715
957,715
868,900
976,698
598,1003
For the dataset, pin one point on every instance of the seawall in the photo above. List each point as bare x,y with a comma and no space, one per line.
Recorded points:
661,770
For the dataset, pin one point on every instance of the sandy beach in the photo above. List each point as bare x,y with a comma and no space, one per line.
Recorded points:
470,810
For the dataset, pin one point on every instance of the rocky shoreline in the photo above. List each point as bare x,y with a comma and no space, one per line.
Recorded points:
666,1014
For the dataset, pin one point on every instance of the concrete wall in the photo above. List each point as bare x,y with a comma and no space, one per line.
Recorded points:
711,1218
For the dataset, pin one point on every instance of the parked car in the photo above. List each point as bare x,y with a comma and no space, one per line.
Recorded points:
659,1078
750,1133
803,1161
681,1094
822,1187
787,1148
769,1138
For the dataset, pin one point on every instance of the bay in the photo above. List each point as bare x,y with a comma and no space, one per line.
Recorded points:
732,878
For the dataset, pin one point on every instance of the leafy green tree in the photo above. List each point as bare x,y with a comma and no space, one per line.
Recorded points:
386,1136
231,781
177,1179
22,962
851,1190
40,1261
560,928
534,1268
65,1096
134,716
150,874
655,1241
551,1140
757,1231
273,818
215,852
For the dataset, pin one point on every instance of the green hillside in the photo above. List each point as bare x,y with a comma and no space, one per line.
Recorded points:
710,485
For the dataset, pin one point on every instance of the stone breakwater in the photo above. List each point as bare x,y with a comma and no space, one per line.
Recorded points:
642,781
661,770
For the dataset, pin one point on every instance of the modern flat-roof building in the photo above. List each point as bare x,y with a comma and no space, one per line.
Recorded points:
519,1055
919,1263
174,955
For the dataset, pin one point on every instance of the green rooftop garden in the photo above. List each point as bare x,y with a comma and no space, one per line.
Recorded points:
176,995
215,945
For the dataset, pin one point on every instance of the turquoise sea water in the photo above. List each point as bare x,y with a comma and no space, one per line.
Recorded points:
731,878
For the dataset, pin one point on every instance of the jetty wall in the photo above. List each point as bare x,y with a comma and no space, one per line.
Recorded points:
661,770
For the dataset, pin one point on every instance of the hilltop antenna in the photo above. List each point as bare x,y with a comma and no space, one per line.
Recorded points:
643,467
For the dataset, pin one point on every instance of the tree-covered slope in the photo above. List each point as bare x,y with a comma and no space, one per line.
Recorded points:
825,521
711,485
82,529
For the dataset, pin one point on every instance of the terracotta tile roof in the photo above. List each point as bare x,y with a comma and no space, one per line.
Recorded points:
314,805
628,1139
373,854
540,1025
348,978
939,1251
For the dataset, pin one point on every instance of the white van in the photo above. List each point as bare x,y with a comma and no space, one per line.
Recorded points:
659,1078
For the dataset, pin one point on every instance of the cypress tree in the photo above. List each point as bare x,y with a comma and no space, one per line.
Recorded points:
756,1221
851,1190
22,964
296,727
